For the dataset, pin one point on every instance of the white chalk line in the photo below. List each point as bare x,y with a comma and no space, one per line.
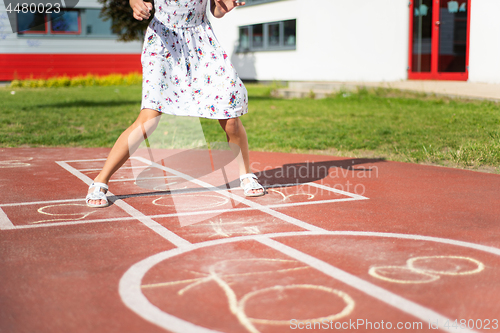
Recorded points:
77,222
175,192
130,290
219,201
400,303
147,221
205,277
411,264
431,274
81,216
285,197
237,307
333,189
5,222
92,160
172,192
144,178
247,202
349,304
157,216
379,273
48,202
206,188
122,168
220,229
19,163
131,294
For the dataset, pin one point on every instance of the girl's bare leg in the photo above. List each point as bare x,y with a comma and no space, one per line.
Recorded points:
235,133
126,145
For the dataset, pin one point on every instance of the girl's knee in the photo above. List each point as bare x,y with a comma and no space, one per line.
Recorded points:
233,126
147,120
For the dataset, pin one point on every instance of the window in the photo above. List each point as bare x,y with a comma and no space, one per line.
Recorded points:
94,25
258,36
34,23
268,36
289,32
66,22
244,39
273,35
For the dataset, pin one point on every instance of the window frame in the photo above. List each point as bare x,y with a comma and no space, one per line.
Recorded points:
79,32
265,42
58,35
28,32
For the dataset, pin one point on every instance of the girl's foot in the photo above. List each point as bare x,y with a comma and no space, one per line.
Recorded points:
251,186
96,197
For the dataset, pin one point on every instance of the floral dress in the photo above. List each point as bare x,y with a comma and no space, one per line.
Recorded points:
185,70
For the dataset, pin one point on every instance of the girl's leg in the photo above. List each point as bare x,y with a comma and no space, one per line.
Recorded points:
236,134
126,144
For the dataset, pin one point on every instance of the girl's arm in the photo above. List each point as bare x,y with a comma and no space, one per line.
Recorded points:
141,9
219,8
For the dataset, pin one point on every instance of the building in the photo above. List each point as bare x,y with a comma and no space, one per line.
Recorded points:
364,40
78,42
284,40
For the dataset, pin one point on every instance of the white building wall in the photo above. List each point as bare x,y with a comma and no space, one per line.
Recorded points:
337,40
484,50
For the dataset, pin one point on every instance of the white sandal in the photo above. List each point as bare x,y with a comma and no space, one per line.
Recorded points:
251,185
97,195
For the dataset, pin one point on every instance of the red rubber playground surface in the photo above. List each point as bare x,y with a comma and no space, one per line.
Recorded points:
336,244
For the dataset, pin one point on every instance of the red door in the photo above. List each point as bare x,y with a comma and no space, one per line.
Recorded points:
439,40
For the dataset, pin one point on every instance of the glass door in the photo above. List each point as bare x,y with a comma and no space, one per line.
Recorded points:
439,39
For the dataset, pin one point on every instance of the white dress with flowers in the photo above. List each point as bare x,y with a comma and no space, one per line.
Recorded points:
185,70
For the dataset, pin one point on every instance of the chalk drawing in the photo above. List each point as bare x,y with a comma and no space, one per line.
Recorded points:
15,163
193,202
169,187
386,273
349,307
145,178
287,197
132,295
415,268
454,270
121,168
207,277
230,228
237,307
81,215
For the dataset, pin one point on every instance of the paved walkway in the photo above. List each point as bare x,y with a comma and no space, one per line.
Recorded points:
459,89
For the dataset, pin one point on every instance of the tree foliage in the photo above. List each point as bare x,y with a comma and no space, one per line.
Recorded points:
123,23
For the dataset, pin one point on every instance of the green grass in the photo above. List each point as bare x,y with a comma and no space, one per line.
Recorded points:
382,123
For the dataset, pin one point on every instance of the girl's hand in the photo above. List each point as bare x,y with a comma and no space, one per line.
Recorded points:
222,7
142,10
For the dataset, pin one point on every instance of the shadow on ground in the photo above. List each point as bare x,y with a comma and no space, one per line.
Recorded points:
301,173
86,103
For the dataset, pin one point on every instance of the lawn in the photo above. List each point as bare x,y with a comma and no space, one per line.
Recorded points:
388,124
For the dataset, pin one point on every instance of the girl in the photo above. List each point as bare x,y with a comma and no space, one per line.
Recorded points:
186,73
